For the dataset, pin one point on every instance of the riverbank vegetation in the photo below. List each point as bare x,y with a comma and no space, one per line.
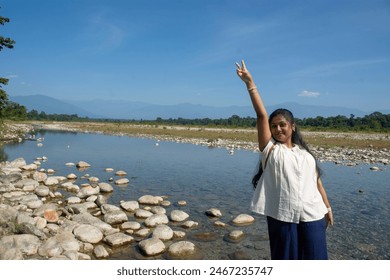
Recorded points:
375,122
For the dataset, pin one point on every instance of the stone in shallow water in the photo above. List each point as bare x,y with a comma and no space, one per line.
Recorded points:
118,239
178,216
236,234
130,205
156,219
190,224
105,187
213,212
130,225
163,232
243,219
150,199
122,181
152,246
143,214
181,248
100,252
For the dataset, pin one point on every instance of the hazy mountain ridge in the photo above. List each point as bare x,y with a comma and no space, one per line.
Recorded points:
120,109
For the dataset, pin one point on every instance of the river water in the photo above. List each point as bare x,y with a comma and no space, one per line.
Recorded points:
213,177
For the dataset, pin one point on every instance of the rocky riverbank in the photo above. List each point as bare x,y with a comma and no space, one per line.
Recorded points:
37,221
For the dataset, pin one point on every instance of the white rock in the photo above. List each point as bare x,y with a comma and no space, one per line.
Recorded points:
189,224
179,234
93,179
236,234
181,248
40,176
165,203
156,219
71,176
158,210
120,173
42,191
40,223
152,246
178,215
17,163
34,204
73,200
105,187
88,233
214,212
130,205
220,224
51,181
86,218
118,239
122,181
15,246
143,214
150,199
83,164
163,232
108,208
130,225
100,252
182,203
142,232
243,219
29,167
88,191
115,217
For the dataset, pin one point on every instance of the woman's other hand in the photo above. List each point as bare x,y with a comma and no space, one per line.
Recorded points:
329,218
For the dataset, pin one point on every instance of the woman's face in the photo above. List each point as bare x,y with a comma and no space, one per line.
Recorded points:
282,130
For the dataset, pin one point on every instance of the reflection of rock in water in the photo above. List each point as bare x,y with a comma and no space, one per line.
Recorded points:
204,236
240,255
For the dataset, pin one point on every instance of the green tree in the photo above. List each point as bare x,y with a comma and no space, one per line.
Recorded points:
4,43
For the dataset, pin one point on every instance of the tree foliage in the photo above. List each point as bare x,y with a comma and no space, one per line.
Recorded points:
373,122
4,43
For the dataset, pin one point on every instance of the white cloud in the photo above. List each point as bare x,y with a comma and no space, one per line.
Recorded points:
307,93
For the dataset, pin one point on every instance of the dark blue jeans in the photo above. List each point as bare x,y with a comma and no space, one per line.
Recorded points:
303,241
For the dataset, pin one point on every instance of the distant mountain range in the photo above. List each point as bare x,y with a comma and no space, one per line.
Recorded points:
120,109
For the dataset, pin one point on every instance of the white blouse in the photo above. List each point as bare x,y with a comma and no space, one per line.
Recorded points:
287,190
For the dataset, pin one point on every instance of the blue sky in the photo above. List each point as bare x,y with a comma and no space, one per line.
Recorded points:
322,52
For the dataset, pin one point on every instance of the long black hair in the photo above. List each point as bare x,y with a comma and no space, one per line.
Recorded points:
296,138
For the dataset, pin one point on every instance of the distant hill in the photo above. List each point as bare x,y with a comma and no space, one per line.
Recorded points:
49,105
120,109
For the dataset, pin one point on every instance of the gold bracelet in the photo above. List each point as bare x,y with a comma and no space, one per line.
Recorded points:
252,88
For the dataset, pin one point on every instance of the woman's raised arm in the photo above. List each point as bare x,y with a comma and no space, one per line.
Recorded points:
263,130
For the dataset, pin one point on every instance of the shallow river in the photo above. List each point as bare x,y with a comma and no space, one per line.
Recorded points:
206,178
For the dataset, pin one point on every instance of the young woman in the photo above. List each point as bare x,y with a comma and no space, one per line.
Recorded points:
289,191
